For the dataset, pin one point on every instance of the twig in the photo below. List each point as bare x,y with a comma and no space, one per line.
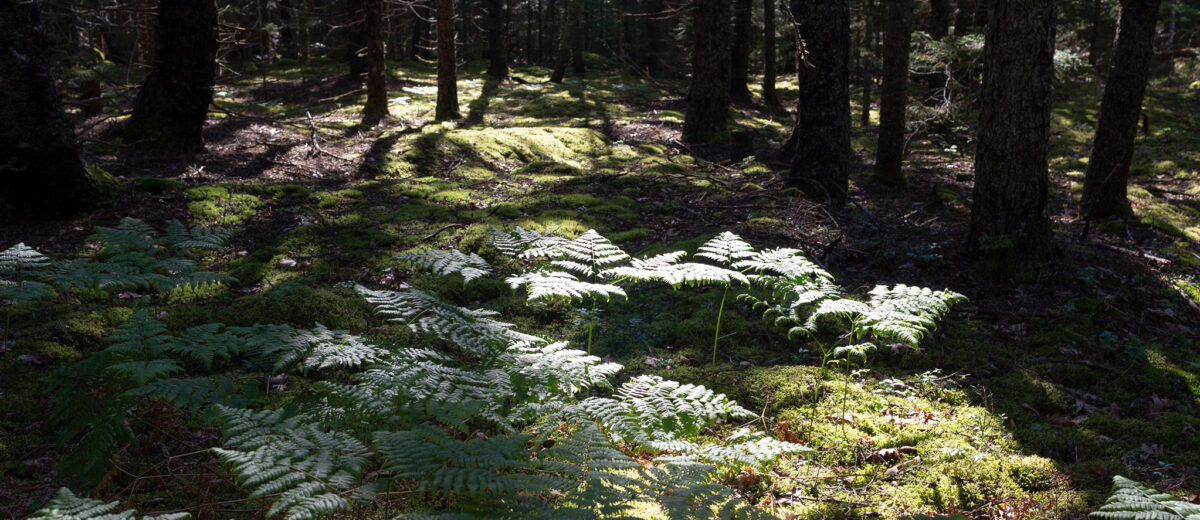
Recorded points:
440,230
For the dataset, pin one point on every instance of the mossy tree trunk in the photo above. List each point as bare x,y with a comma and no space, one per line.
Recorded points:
821,167
743,40
707,114
1107,178
1010,230
376,108
41,176
447,78
497,45
172,105
893,99
770,67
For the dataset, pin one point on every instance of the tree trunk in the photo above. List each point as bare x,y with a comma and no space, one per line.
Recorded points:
447,93
868,64
1104,187
822,163
356,39
651,38
743,40
172,105
41,176
569,45
287,39
894,97
964,17
497,49
578,36
770,98
1009,225
707,115
939,18
1094,44
420,30
376,108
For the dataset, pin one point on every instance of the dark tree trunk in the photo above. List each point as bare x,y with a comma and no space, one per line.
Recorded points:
822,163
651,37
447,93
570,45
376,108
356,39
1010,230
420,30
172,105
1104,187
707,116
578,36
743,40
287,39
964,17
529,21
1094,46
497,49
893,99
939,18
867,59
41,176
770,98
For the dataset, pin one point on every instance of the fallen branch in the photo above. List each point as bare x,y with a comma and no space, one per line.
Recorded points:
440,230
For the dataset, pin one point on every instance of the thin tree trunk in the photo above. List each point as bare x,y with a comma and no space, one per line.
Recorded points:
707,116
497,48
41,176
447,93
579,35
172,105
1010,229
822,163
770,98
964,17
569,45
1094,44
743,40
376,108
287,39
868,64
652,30
356,39
1107,178
939,18
893,100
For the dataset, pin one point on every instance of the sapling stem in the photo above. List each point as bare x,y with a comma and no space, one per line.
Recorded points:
591,323
717,335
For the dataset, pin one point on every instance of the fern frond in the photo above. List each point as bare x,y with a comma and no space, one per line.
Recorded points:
446,465
785,262
515,242
444,263
645,269
727,249
904,313
585,256
550,285
21,258
23,292
179,236
471,329
67,506
322,348
1131,500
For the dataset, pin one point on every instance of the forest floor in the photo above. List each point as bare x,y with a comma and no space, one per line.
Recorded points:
1024,403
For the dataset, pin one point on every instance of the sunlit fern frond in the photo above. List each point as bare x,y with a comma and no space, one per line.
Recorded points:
67,506
726,249
471,329
550,285
515,242
1130,500
785,262
443,263
20,259
904,313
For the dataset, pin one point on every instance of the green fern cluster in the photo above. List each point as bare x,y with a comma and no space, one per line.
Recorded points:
1131,500
66,506
452,422
130,257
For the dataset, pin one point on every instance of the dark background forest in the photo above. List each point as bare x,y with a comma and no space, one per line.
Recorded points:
313,258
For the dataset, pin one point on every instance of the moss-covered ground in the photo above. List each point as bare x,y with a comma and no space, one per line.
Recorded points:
1022,405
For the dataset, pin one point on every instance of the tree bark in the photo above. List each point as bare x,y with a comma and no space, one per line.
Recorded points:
1107,178
570,45
651,37
578,35
287,39
447,92
707,114
867,60
172,105
743,40
497,48
1010,229
770,98
939,18
376,108
356,39
822,163
893,100
964,17
41,176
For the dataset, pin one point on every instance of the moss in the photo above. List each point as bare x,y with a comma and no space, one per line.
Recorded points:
57,352
157,186
217,205
300,306
88,332
629,235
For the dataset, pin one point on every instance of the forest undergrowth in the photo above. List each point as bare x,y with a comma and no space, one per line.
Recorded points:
1023,403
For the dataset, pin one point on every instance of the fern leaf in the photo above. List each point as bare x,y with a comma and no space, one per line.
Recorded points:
788,263
727,249
904,313
471,329
23,292
585,256
515,242
179,236
444,263
19,259
550,285
1131,500
67,506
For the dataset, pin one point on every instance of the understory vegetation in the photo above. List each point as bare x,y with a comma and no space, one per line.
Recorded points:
554,309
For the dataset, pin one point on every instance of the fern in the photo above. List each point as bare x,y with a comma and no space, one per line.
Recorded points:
727,249
585,256
473,330
67,506
904,313
443,263
550,285
515,242
1131,500
20,262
